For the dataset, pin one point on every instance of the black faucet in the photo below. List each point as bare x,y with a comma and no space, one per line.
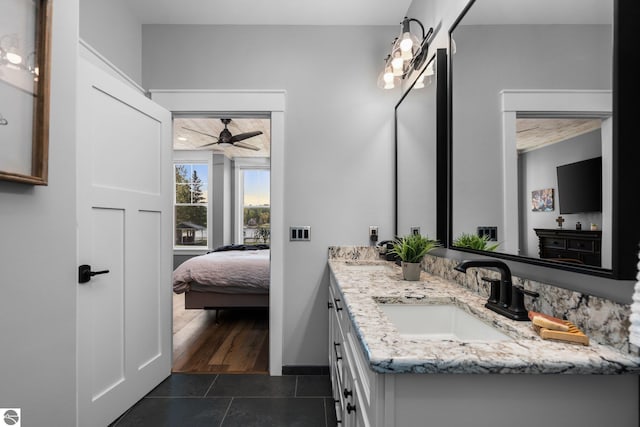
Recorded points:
505,298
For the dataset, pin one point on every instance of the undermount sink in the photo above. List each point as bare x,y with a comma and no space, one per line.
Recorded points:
439,322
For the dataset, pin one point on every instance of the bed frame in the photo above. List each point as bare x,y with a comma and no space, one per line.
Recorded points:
212,300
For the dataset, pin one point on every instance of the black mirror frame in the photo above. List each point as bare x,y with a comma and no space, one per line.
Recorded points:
626,156
442,163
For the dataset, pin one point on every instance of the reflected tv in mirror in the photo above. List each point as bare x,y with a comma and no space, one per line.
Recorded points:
580,186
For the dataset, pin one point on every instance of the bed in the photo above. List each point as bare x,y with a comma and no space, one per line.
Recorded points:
232,276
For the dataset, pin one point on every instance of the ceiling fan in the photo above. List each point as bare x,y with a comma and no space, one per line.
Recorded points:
226,137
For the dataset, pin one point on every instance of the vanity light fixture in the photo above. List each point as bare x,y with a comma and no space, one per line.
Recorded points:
11,58
9,49
425,78
408,53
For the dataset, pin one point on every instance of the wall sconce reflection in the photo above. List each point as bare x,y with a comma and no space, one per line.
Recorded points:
10,56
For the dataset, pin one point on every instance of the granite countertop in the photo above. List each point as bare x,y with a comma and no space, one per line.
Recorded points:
366,283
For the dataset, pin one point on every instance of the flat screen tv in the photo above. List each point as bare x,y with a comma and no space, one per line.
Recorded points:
580,186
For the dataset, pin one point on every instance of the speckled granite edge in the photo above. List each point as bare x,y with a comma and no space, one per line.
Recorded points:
604,321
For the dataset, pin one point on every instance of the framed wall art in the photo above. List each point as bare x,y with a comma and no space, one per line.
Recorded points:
25,59
542,200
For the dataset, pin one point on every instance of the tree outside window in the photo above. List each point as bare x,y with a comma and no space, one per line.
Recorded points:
257,206
191,198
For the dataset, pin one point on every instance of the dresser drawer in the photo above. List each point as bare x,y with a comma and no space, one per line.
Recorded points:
553,242
581,245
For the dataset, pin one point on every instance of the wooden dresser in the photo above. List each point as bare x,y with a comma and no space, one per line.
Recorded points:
579,246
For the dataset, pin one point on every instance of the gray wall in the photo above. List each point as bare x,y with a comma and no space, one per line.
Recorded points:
338,131
537,170
111,29
416,151
493,58
38,259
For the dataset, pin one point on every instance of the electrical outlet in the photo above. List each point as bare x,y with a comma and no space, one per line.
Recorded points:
415,231
373,233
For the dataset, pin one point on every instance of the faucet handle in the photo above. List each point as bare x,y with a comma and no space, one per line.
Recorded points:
494,296
520,288
517,308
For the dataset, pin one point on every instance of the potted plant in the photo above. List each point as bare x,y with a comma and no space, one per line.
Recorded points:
411,249
473,241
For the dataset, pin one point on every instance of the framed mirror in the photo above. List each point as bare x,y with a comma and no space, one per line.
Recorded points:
421,147
536,159
25,65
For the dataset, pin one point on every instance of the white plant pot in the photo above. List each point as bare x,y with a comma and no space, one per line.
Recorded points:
411,270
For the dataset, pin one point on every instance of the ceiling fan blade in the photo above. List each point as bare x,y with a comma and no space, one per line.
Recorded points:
245,145
209,144
241,136
201,133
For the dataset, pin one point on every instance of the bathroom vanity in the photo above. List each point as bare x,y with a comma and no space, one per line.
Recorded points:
388,370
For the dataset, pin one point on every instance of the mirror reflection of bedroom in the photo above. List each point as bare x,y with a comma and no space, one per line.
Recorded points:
221,243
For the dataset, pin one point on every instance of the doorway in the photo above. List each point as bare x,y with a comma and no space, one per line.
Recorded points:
222,228
273,101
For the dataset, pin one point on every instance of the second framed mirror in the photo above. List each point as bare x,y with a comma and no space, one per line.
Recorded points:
421,153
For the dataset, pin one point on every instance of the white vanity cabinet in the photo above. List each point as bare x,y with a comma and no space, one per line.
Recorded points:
353,383
399,398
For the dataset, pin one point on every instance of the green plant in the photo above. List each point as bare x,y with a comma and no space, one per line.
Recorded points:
263,234
473,241
412,248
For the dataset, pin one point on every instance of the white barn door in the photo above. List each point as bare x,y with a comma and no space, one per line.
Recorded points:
124,216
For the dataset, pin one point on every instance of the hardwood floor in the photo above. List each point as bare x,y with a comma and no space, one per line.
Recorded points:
239,343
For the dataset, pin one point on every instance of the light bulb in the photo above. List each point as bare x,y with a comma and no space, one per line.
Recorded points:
397,64
389,85
388,77
14,58
406,44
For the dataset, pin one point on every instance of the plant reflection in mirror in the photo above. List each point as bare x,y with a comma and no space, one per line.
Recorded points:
473,241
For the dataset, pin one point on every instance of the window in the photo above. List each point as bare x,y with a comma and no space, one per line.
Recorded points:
190,202
256,203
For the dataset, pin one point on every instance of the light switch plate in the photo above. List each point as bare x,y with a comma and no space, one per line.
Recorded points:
300,233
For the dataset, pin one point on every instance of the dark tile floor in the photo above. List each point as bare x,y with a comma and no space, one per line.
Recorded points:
235,400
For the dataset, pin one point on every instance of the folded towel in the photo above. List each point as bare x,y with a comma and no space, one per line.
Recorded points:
634,318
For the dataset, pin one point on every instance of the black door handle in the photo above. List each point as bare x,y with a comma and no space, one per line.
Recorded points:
85,274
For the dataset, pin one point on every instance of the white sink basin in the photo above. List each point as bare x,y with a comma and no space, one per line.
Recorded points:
439,322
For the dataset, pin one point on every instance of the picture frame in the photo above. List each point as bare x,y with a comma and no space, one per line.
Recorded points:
25,64
542,200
